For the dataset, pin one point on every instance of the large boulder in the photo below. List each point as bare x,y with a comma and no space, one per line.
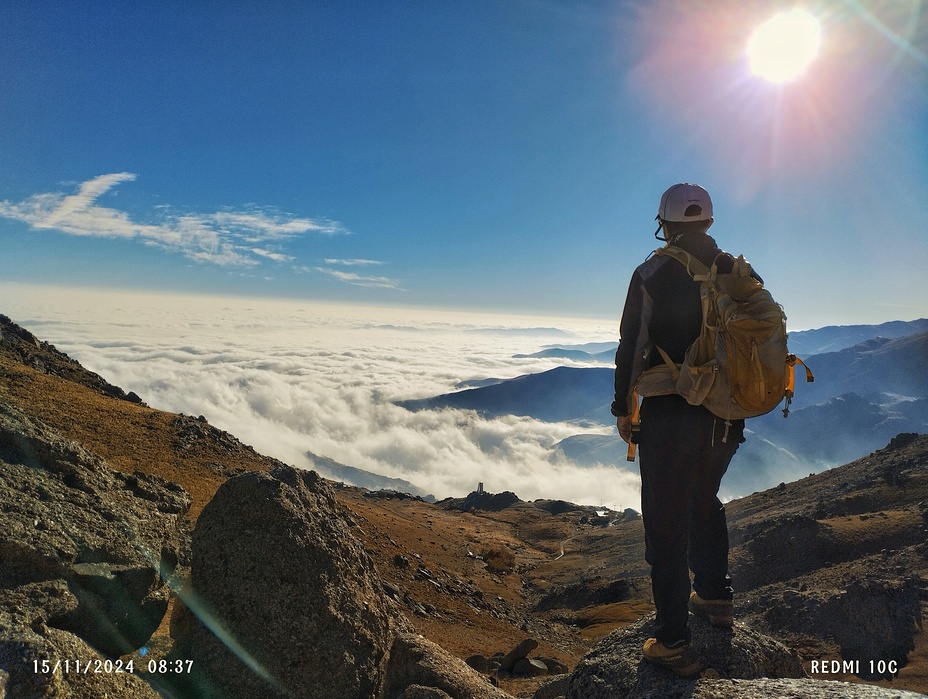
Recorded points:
287,600
85,557
741,663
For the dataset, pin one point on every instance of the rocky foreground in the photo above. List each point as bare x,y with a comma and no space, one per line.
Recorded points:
213,572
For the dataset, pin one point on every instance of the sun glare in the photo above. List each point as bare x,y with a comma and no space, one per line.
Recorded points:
782,48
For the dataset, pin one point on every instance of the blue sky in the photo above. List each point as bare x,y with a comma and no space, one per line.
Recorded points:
496,156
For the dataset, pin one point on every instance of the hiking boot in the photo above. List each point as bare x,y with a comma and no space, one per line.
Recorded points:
679,659
719,612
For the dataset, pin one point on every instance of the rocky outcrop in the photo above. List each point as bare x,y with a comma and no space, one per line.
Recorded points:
741,663
584,594
85,555
415,661
875,618
26,348
287,600
481,500
49,662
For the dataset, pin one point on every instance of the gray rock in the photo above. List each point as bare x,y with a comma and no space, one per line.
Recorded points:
24,674
552,689
416,691
741,664
516,654
287,599
555,667
417,661
867,619
615,667
764,688
479,662
85,548
530,667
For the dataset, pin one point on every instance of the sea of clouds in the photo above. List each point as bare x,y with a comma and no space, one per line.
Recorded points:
290,377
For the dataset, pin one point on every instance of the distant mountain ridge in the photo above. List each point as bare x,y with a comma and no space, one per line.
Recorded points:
873,368
861,397
832,338
364,479
563,394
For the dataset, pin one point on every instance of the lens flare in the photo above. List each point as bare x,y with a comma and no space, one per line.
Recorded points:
783,47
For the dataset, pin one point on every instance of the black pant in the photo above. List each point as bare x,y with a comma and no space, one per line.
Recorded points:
683,458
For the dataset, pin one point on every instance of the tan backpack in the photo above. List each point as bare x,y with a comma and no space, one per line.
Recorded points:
739,367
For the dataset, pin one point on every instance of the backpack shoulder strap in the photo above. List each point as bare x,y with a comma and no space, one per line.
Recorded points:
696,269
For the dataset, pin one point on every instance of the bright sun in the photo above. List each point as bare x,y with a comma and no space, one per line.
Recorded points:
782,48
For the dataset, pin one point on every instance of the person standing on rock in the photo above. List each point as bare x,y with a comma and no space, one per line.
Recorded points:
684,449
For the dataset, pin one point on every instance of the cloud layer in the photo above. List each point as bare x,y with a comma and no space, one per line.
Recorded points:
290,377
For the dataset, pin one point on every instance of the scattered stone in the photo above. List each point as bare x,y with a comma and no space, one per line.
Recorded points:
518,653
417,661
480,663
555,667
392,590
529,667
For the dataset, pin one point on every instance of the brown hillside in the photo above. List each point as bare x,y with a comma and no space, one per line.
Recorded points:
835,557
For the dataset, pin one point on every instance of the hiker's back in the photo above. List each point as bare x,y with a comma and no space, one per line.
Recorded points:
738,364
676,311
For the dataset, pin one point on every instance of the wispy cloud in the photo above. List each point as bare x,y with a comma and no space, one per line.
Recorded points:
352,262
360,280
226,238
276,256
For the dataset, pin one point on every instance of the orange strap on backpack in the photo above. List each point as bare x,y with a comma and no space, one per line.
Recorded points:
791,362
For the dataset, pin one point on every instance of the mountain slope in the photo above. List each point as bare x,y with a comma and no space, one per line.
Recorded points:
824,563
879,365
558,395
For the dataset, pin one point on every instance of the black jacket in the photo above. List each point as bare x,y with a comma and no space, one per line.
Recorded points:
662,308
